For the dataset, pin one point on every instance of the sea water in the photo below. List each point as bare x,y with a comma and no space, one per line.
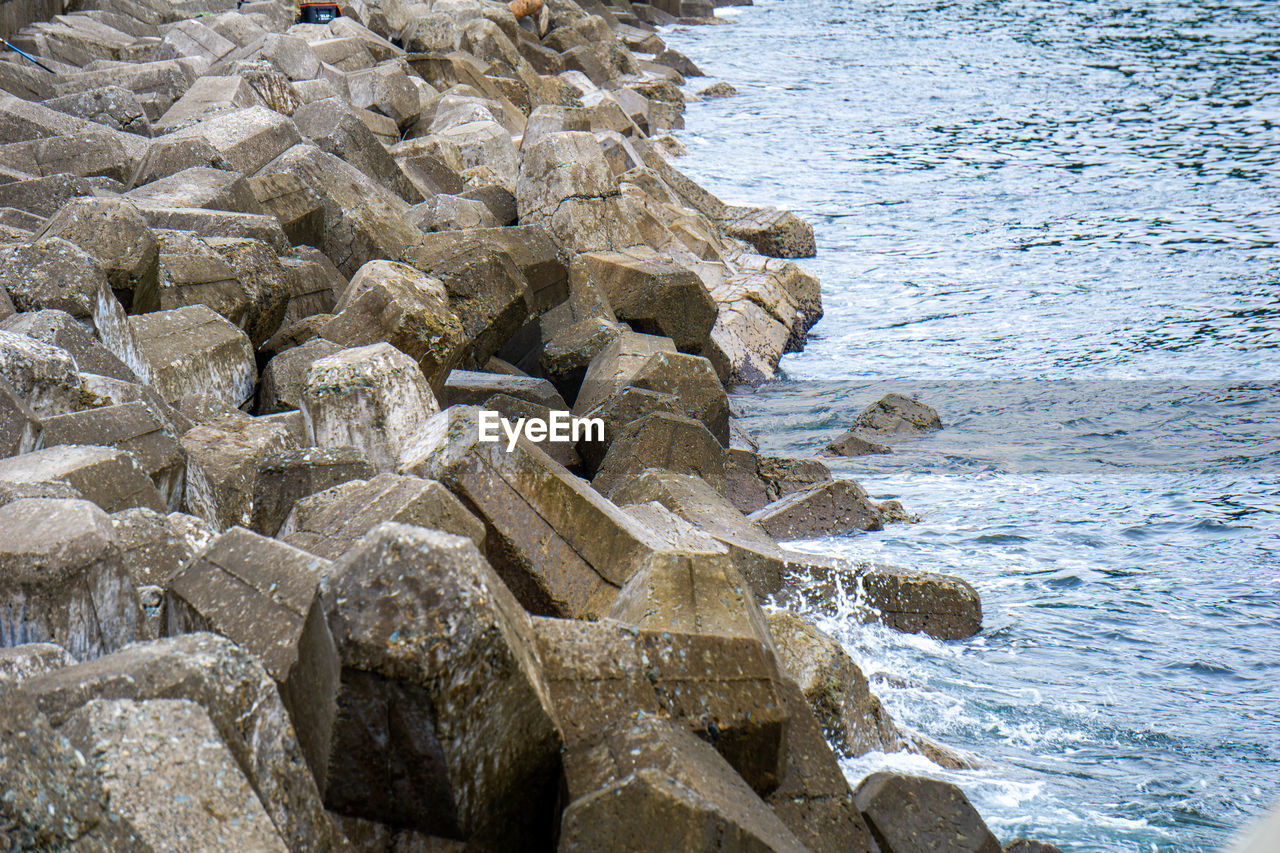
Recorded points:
1057,223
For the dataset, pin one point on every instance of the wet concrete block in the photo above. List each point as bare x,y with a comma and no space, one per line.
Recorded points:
723,689
661,440
907,813
828,509
647,778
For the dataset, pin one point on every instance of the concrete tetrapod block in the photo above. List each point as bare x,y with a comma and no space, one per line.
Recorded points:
132,427
445,724
362,219
910,813
198,186
724,689
218,223
332,124
241,700
165,157
115,233
59,329
814,799
773,232
171,777
52,800
754,554
193,273
52,273
194,348
472,388
692,592
531,247
92,152
512,408
18,663
566,185
222,466
284,377
653,294
264,595
613,366
756,480
154,546
19,427
828,509
62,579
287,477
316,284
108,477
562,548
648,779
265,280
652,364
942,606
395,303
247,138
489,295
43,376
298,208
331,522
660,440
372,397
110,106
850,715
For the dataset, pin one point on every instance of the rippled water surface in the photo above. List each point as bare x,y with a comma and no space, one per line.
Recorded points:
1057,223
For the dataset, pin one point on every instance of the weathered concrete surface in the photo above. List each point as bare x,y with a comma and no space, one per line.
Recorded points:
908,813
109,477
222,466
194,348
724,689
168,773
52,799
372,397
652,780
241,700
557,543
264,595
62,580
445,723
331,522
